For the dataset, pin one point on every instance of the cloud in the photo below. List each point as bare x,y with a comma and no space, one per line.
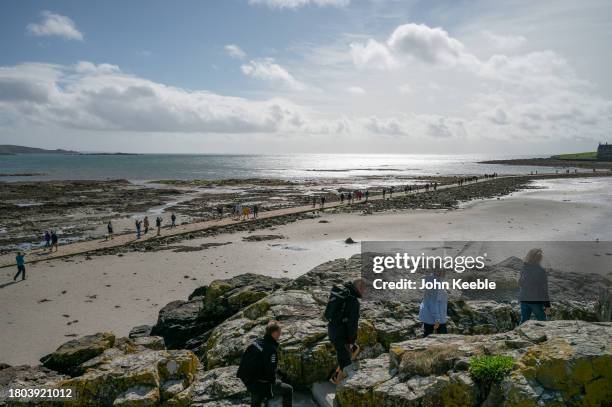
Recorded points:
405,89
505,42
55,25
102,97
412,42
356,90
295,4
268,70
432,45
372,55
235,51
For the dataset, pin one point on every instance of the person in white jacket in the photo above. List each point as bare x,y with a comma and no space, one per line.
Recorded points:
432,312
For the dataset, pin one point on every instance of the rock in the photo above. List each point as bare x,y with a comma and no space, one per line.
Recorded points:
4,366
349,240
69,356
22,377
261,238
557,363
187,323
324,394
306,356
138,396
219,387
140,331
130,379
150,342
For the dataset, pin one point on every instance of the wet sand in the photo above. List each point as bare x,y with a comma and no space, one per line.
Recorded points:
117,292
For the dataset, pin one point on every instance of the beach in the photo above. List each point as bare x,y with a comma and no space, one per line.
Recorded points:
84,294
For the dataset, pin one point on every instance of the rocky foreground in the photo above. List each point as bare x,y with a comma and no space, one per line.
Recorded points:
190,356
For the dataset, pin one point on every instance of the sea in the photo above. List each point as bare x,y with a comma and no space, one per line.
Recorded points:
147,167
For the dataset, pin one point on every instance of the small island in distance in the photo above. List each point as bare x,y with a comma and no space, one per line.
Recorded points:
9,149
600,159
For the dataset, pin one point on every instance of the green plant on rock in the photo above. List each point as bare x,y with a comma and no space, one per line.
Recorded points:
490,368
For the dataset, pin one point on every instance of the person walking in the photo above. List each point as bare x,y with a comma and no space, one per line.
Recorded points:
146,224
367,194
533,288
173,219
341,198
220,211
433,308
255,211
109,229
20,260
245,212
322,202
342,313
54,241
258,367
314,201
138,225
47,240
158,223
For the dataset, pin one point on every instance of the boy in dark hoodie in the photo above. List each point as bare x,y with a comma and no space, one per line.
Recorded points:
258,369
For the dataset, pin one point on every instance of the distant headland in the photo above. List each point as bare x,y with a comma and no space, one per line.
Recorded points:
9,149
602,159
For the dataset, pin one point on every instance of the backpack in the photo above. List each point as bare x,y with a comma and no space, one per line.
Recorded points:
334,311
250,364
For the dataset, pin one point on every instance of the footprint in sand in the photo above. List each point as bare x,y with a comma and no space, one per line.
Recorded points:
66,315
43,300
64,292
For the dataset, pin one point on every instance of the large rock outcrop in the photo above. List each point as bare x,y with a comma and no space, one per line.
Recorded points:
557,363
69,356
186,324
307,356
129,373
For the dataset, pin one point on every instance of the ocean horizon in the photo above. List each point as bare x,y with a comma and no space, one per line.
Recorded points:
298,167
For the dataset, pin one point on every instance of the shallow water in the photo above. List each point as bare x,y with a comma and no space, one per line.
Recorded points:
287,166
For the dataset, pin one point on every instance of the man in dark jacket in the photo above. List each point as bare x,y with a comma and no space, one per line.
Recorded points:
258,369
342,330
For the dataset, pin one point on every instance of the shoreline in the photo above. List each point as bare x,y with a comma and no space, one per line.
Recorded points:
448,196
120,290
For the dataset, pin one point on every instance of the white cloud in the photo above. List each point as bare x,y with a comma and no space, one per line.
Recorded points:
235,51
55,25
432,45
268,70
372,55
295,4
505,42
356,90
405,89
102,97
413,42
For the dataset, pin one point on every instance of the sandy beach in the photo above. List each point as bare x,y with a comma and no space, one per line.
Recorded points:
81,295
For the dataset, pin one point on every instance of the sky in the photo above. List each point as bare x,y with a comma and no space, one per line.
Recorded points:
307,76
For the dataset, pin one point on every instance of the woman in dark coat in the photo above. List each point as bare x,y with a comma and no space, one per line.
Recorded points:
533,285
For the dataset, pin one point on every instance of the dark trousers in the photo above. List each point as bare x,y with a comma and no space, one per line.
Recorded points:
278,389
337,336
429,329
535,308
342,353
20,270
